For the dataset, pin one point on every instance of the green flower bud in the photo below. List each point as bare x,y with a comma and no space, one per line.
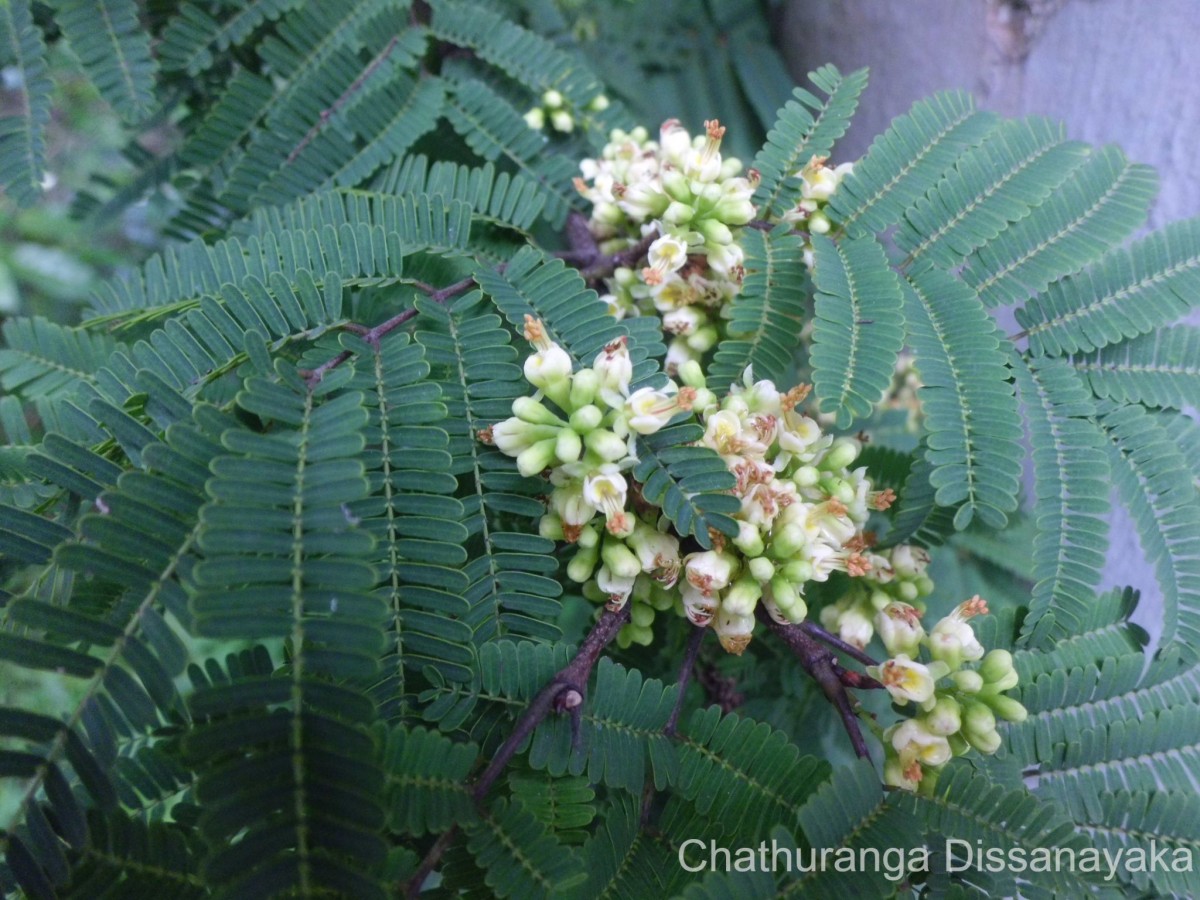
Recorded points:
586,418
568,447
798,571
788,599
977,721
599,103
678,213
716,232
967,680
879,599
621,561
762,569
641,615
749,540
742,597
733,211
786,542
536,118
691,375
582,564
703,339
661,598
588,537
606,445
1005,683
996,665
552,99
908,591
818,223
535,412
539,456
639,634
806,476
550,527
985,742
675,183
1007,708
842,453
945,718
958,744
924,585
584,385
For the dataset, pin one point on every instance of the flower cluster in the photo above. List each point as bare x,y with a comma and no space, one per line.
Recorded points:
555,110
690,202
802,506
818,182
883,600
958,701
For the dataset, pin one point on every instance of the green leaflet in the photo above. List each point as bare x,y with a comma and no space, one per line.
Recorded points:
114,51
906,161
991,186
1072,483
806,127
1127,293
23,140
1154,483
1102,202
768,315
1156,369
859,326
971,415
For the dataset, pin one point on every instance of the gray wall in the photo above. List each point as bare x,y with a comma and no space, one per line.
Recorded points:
1120,71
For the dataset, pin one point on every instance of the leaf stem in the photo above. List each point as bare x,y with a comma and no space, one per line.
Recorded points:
565,692
821,665
812,629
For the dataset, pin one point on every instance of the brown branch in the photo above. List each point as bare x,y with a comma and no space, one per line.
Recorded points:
695,639
821,665
565,692
816,631
327,114
373,335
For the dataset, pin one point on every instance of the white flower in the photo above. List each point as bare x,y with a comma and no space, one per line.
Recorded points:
667,254
568,502
709,570
912,740
723,433
547,367
674,140
648,410
615,369
605,489
697,606
854,627
617,588
952,640
678,355
899,627
684,320
735,631
658,554
905,679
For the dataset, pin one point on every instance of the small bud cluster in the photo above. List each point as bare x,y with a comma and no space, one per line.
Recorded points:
681,192
817,184
884,600
802,506
958,701
555,110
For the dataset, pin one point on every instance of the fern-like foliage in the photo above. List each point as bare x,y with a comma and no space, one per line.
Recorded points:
114,51
1156,369
806,127
1072,487
972,415
22,137
282,608
857,335
768,313
907,158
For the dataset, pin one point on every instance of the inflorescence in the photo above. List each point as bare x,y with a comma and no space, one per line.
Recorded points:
804,506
